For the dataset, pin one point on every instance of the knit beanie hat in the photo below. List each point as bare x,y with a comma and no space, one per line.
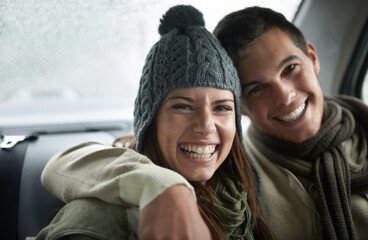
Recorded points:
187,55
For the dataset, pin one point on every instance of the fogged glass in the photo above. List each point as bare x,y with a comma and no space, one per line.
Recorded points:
365,88
72,51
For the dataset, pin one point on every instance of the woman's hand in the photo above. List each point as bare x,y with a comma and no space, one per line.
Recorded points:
172,215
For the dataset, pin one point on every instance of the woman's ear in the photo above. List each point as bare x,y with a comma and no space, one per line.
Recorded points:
313,56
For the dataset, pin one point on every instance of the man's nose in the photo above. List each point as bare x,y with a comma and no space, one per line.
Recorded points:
283,92
205,123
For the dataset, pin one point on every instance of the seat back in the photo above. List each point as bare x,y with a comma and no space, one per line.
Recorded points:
26,206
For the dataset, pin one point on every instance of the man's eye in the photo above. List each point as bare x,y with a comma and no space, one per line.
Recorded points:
288,69
255,89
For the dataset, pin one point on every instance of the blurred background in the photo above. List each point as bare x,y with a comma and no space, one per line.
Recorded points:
80,61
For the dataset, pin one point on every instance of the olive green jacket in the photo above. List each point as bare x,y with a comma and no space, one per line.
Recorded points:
91,219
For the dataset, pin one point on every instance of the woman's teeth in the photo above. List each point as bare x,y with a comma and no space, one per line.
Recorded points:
293,115
198,151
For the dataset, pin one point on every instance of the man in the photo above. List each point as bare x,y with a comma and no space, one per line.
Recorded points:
305,146
310,151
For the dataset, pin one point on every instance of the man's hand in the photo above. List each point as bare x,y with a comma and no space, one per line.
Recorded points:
172,215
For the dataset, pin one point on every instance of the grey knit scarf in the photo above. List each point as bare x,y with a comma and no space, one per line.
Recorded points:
321,159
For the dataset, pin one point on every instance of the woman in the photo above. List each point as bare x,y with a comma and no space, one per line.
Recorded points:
187,119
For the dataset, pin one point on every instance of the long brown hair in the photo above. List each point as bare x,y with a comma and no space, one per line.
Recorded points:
236,166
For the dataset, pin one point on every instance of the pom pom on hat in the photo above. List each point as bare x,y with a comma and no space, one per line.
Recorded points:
187,55
180,16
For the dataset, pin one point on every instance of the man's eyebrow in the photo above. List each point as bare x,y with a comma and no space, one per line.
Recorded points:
279,67
284,61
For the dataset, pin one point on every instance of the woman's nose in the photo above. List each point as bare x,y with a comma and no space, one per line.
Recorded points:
205,123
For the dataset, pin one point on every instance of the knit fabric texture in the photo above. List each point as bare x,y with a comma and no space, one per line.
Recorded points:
187,55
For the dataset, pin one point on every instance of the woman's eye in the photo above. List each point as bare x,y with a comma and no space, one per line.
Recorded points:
223,108
182,106
288,69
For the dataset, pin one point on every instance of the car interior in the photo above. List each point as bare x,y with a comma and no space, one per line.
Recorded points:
30,136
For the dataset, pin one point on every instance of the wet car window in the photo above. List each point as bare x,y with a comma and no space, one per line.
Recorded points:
77,61
365,88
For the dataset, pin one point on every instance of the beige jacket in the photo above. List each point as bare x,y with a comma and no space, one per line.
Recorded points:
112,174
287,203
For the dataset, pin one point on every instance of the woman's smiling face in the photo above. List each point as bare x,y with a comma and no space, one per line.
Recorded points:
195,130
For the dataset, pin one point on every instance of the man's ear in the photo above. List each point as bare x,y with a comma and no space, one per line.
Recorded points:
313,56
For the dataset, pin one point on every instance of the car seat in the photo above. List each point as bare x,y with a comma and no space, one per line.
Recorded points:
26,206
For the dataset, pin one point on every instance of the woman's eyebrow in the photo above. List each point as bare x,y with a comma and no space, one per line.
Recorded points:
284,61
224,100
192,100
181,97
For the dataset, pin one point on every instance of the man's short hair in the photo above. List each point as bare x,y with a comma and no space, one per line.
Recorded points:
238,29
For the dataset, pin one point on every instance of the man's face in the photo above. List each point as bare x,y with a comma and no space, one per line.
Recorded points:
282,94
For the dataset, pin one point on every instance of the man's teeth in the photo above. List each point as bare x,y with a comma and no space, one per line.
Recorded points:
294,115
198,151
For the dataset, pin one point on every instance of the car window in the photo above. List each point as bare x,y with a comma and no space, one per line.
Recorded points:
79,61
365,88
364,67
355,81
